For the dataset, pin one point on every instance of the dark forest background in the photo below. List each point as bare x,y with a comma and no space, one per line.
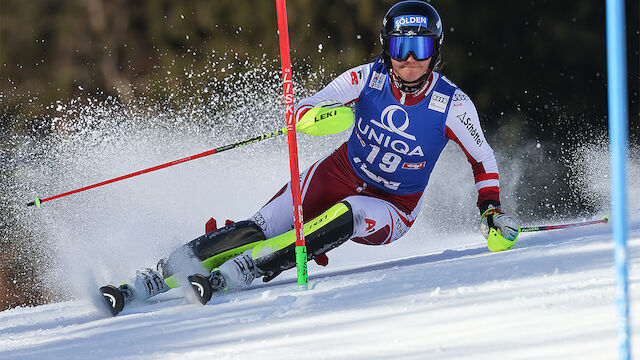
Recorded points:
536,70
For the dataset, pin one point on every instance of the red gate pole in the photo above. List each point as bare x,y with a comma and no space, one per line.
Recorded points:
287,83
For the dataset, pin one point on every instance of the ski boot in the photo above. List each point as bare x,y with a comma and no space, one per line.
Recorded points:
148,283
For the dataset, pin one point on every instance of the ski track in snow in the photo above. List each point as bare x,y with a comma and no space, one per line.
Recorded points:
552,296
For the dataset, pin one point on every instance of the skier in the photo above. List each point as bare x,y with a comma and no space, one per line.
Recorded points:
371,188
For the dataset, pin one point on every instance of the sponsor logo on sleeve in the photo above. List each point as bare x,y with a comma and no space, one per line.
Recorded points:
414,166
475,134
354,78
259,220
371,224
409,20
377,80
458,99
438,102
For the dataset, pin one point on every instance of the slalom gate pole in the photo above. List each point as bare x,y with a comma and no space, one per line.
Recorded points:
287,83
618,136
604,220
38,202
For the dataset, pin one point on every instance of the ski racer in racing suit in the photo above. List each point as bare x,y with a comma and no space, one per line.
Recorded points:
371,188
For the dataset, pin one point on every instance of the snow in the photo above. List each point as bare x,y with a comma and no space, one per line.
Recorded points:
552,296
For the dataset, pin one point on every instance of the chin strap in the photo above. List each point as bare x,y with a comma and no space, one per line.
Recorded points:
410,87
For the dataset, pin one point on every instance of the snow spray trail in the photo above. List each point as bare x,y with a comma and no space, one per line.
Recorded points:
109,232
105,234
592,174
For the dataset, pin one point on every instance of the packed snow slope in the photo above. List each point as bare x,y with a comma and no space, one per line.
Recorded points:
552,296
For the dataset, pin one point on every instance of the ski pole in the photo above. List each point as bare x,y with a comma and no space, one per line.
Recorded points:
38,202
604,219
320,122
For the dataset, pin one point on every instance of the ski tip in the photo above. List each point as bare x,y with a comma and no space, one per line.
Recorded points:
113,299
201,287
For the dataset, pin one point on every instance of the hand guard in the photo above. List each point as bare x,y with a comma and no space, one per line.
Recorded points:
328,117
500,230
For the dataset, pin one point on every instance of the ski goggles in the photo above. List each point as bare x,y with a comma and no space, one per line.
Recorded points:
400,47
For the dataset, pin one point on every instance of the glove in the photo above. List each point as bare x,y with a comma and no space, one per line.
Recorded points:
500,230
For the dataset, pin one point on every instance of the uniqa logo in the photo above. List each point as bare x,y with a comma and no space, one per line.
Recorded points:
387,122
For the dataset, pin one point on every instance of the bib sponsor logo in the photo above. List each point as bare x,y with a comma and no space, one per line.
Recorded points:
393,185
438,102
393,119
377,80
409,20
414,166
359,138
387,122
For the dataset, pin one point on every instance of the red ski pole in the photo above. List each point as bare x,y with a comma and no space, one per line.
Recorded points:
330,121
604,219
287,83
39,202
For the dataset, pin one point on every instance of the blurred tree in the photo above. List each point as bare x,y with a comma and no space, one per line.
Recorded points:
535,68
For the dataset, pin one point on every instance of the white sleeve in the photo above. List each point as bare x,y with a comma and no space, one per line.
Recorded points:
463,127
344,89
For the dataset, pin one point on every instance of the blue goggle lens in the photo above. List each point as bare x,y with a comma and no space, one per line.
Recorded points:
399,47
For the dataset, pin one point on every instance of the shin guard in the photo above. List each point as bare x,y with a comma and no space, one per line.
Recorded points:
325,232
